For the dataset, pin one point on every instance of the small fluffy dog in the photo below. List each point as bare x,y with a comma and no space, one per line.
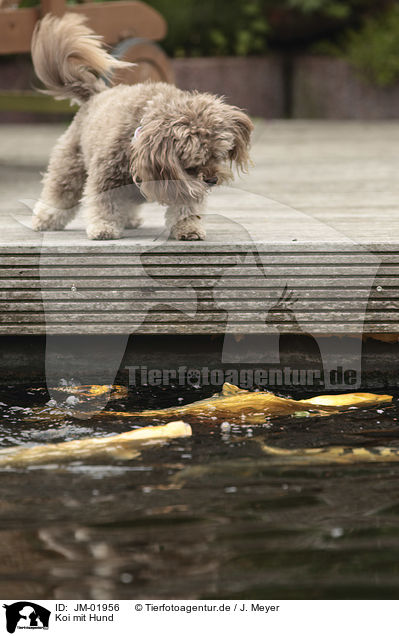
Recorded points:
168,145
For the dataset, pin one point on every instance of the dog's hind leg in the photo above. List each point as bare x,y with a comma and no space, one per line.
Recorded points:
184,224
110,198
62,185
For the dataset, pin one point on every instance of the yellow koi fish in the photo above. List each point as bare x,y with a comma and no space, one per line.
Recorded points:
239,406
123,446
330,455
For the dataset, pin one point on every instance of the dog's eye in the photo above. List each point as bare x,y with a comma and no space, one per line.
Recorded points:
192,172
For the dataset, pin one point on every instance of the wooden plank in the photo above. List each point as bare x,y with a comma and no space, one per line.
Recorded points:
75,283
240,295
153,328
167,316
55,7
262,303
123,19
221,259
243,271
16,28
73,242
139,304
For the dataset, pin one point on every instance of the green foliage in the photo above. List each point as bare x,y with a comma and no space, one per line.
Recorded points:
339,9
214,27
28,3
242,27
374,49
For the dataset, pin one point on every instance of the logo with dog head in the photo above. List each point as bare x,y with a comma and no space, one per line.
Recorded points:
26,615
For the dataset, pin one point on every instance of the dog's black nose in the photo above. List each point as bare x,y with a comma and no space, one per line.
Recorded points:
211,181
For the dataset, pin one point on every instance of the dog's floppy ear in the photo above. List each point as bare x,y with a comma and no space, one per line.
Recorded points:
241,127
156,167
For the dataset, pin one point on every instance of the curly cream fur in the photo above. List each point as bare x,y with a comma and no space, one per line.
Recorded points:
70,59
187,142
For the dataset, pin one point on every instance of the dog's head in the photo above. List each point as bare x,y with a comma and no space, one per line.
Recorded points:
186,144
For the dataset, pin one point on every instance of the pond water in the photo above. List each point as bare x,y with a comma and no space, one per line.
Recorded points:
204,517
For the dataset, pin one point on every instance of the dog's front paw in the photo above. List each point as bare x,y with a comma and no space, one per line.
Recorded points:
103,232
188,230
46,219
39,224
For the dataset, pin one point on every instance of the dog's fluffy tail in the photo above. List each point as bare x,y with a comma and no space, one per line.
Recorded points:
69,58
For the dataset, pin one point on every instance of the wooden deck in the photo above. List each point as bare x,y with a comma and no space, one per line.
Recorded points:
308,242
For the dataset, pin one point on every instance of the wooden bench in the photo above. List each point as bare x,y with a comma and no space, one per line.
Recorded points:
131,27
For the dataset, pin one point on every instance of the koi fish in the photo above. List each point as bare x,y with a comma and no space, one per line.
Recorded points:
239,406
330,455
123,446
